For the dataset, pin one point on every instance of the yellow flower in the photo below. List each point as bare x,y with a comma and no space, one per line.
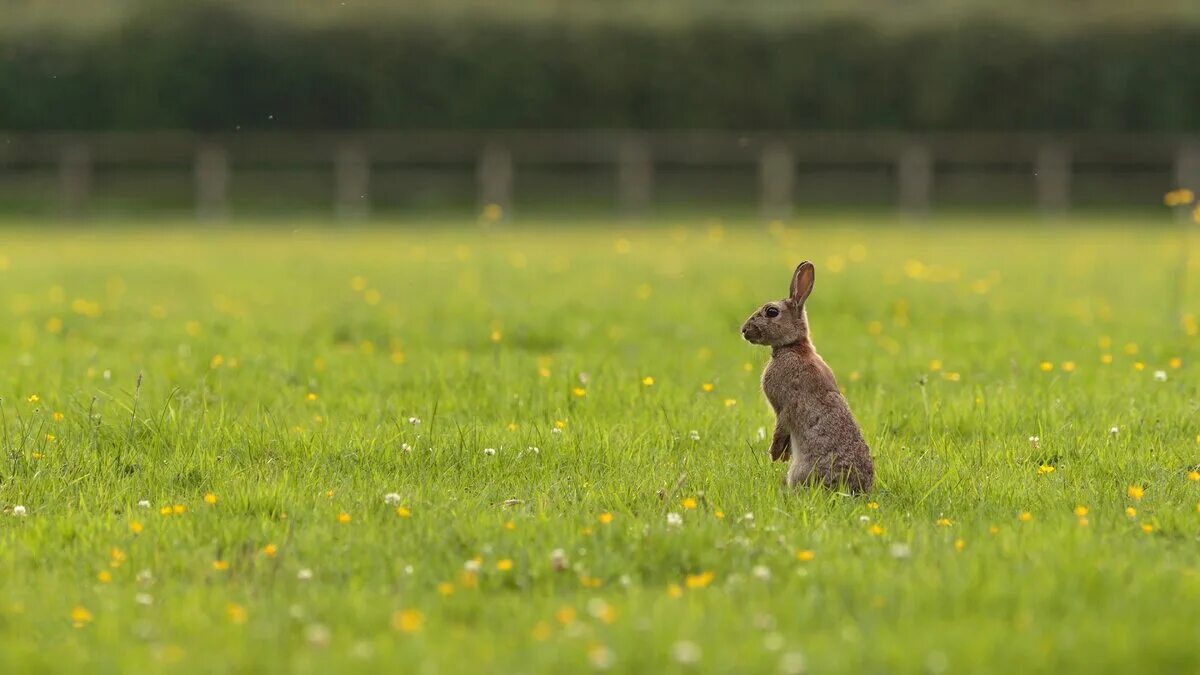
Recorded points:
935,365
210,499
688,503
747,366
1025,516
1081,510
445,589
270,550
540,632
1135,492
496,335
493,212
730,402
1083,522
951,377
58,417
1131,348
1106,359
1176,363
34,398
1045,469
1147,528
719,514
1138,365
504,565
50,437
648,381
135,527
104,577
312,396
944,522
993,530
1179,197
959,545
220,565
706,387
1068,366
166,511
343,517
1193,475
408,621
805,555
1047,366
1130,512
675,591
178,509
872,505
543,372
54,325
403,512
579,392
565,615
80,616
216,361
875,530
585,531
605,518
699,580
560,424
512,426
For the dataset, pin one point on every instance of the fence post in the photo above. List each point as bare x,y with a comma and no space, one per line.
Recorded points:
74,178
352,181
212,182
915,178
635,176
1187,172
777,177
1052,174
495,181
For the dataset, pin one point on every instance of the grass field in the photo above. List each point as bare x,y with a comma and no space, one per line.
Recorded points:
290,379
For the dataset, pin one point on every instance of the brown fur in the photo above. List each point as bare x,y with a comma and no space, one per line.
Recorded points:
814,427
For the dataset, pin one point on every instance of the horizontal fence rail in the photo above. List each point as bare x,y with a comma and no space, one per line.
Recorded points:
780,159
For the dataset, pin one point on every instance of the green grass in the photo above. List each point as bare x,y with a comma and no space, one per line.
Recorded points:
466,316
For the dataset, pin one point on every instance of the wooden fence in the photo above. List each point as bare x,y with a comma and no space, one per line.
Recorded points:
779,158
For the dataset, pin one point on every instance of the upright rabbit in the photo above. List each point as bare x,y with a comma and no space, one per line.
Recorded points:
813,423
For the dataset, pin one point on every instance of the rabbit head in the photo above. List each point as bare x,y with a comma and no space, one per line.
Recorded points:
783,322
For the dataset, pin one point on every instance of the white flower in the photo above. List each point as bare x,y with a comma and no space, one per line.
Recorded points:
317,635
762,433
685,652
674,520
625,580
792,663
1034,441
899,550
144,504
304,574
18,510
558,559
1114,431
391,499
1160,376
532,449
601,657
773,642
761,572
489,451
584,377
597,608
144,599
864,519
405,447
694,435
414,421
145,576
471,565
408,569
748,516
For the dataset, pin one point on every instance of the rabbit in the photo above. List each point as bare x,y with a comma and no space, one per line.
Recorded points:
814,427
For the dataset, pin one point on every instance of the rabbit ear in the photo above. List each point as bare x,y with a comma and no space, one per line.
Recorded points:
802,282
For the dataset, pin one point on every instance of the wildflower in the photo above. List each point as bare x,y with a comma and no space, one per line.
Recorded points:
135,527
1047,366
558,559
648,381
899,550
50,437
872,505
689,503
1147,528
1024,516
1045,469
1135,492
762,433
1139,366
761,572
80,616
805,555
1130,512
944,522
694,435
58,417
699,580
311,396
104,577
408,621
473,565
685,652
565,615
504,565
707,387
343,517
391,499
117,557
304,574
1160,376
1106,359
730,402
144,599
864,519
1068,366
543,372
1179,197
675,590
951,377
719,514
18,510
1083,522
876,530
1193,475
601,657
605,518
270,550
1131,348
220,565
178,509
533,450
34,398
935,365
1081,510
1035,441
993,530
489,451
210,499
415,421
237,613
579,392
495,335
674,520
165,511
1114,431
445,589
403,512
405,447
144,504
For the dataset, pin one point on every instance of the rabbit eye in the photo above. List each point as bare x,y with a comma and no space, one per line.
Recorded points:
772,312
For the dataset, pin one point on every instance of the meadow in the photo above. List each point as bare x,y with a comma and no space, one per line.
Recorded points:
455,446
